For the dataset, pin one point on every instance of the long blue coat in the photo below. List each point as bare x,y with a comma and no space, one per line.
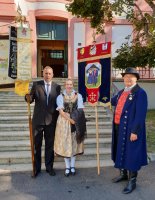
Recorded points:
131,155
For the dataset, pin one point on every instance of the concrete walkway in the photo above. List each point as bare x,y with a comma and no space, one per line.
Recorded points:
86,185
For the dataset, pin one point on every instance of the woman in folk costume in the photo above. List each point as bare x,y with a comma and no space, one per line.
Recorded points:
71,127
129,134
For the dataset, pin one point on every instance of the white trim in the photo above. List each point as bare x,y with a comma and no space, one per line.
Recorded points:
79,38
26,6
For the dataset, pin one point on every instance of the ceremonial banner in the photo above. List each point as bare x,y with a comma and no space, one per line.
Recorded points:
21,87
24,55
94,79
12,70
94,73
4,46
23,61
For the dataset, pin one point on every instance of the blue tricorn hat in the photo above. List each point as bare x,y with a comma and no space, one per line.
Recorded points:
131,70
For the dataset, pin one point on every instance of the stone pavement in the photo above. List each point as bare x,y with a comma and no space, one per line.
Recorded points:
86,185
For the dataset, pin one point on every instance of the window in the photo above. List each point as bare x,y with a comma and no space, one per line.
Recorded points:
52,30
56,54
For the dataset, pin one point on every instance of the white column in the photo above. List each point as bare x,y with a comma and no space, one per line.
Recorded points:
119,32
79,41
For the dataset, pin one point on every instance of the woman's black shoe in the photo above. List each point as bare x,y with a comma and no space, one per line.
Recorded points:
73,172
67,172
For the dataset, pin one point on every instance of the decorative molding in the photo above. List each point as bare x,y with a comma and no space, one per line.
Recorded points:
51,12
7,2
58,1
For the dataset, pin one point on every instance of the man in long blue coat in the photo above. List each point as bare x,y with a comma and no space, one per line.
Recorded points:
129,133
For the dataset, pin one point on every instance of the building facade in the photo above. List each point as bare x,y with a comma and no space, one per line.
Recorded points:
56,34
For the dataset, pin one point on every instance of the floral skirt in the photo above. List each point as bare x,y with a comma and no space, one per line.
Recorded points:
65,142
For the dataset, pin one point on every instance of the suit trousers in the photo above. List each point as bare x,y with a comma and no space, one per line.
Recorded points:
48,131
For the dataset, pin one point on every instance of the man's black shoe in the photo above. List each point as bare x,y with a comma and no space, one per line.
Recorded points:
51,172
36,173
131,185
120,178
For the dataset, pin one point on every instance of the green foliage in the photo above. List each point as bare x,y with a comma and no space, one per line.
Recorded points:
94,10
135,55
150,129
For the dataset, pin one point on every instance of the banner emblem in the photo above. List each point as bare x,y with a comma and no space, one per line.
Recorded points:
93,50
82,51
93,95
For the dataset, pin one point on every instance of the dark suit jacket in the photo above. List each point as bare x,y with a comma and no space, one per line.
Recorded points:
43,114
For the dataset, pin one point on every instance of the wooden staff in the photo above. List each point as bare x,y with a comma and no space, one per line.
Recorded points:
31,136
97,142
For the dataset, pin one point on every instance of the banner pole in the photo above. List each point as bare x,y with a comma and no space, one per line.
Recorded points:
31,139
97,142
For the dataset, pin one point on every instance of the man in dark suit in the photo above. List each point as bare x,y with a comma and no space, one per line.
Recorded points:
44,93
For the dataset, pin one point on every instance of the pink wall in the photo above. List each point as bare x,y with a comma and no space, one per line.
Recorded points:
7,8
7,1
144,6
5,22
7,15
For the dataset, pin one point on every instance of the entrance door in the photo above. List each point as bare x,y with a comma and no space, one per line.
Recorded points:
54,59
52,47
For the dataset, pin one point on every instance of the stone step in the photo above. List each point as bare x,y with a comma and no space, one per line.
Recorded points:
8,146
24,135
22,157
15,119
7,114
10,112
101,124
103,142
14,127
13,106
24,145
14,135
23,106
24,126
103,133
27,167
5,119
13,99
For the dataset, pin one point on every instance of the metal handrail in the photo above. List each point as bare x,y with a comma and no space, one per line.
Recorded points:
145,73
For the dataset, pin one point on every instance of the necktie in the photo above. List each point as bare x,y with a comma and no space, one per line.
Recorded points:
47,91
